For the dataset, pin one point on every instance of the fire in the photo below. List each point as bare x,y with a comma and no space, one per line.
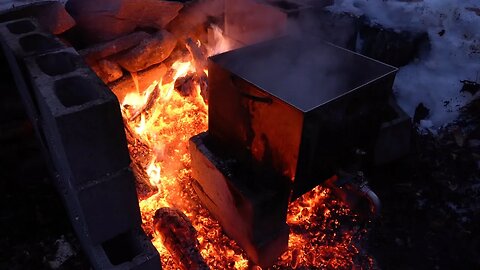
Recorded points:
159,122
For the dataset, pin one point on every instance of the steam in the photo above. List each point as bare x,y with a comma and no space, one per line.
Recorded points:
434,79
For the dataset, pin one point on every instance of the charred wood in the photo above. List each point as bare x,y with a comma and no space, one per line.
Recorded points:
152,98
179,237
108,71
137,82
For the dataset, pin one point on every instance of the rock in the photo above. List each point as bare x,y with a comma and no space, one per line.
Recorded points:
64,252
103,50
149,52
474,9
108,71
150,13
55,18
421,112
396,48
51,15
108,19
192,19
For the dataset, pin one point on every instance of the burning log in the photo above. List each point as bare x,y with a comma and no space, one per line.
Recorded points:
152,98
200,62
199,57
179,237
185,85
137,81
103,50
149,52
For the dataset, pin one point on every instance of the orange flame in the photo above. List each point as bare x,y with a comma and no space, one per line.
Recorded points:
160,150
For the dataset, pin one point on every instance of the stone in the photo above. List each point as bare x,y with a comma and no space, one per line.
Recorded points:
106,20
54,18
108,71
149,52
102,50
51,15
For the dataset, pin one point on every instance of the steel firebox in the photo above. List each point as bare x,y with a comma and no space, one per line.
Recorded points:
299,105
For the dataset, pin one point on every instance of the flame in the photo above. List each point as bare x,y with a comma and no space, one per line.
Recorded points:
159,149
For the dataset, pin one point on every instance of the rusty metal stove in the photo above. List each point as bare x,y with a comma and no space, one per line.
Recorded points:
284,116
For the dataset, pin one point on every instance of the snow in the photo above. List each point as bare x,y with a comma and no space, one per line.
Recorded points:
434,78
64,252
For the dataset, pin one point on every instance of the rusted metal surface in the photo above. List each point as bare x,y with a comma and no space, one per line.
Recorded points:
299,105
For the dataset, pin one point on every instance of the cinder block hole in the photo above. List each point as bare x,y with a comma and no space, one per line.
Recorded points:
122,248
74,91
58,63
37,42
21,27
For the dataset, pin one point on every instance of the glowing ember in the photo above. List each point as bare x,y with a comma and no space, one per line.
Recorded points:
158,142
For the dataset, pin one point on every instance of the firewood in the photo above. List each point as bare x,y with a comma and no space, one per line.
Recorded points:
179,237
199,57
144,79
185,85
151,100
149,52
108,71
94,53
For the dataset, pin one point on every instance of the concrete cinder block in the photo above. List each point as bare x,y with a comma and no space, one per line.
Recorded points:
80,116
131,250
25,37
247,201
79,123
109,206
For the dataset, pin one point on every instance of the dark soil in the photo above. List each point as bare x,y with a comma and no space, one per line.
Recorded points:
431,201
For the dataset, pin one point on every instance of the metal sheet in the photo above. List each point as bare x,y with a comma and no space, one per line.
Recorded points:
304,72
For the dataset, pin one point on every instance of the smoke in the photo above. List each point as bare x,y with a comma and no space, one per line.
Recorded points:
434,78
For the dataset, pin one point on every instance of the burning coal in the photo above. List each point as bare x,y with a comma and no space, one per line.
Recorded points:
159,121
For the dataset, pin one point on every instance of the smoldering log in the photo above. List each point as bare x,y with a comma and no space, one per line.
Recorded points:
151,99
179,237
107,70
199,57
185,85
137,82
